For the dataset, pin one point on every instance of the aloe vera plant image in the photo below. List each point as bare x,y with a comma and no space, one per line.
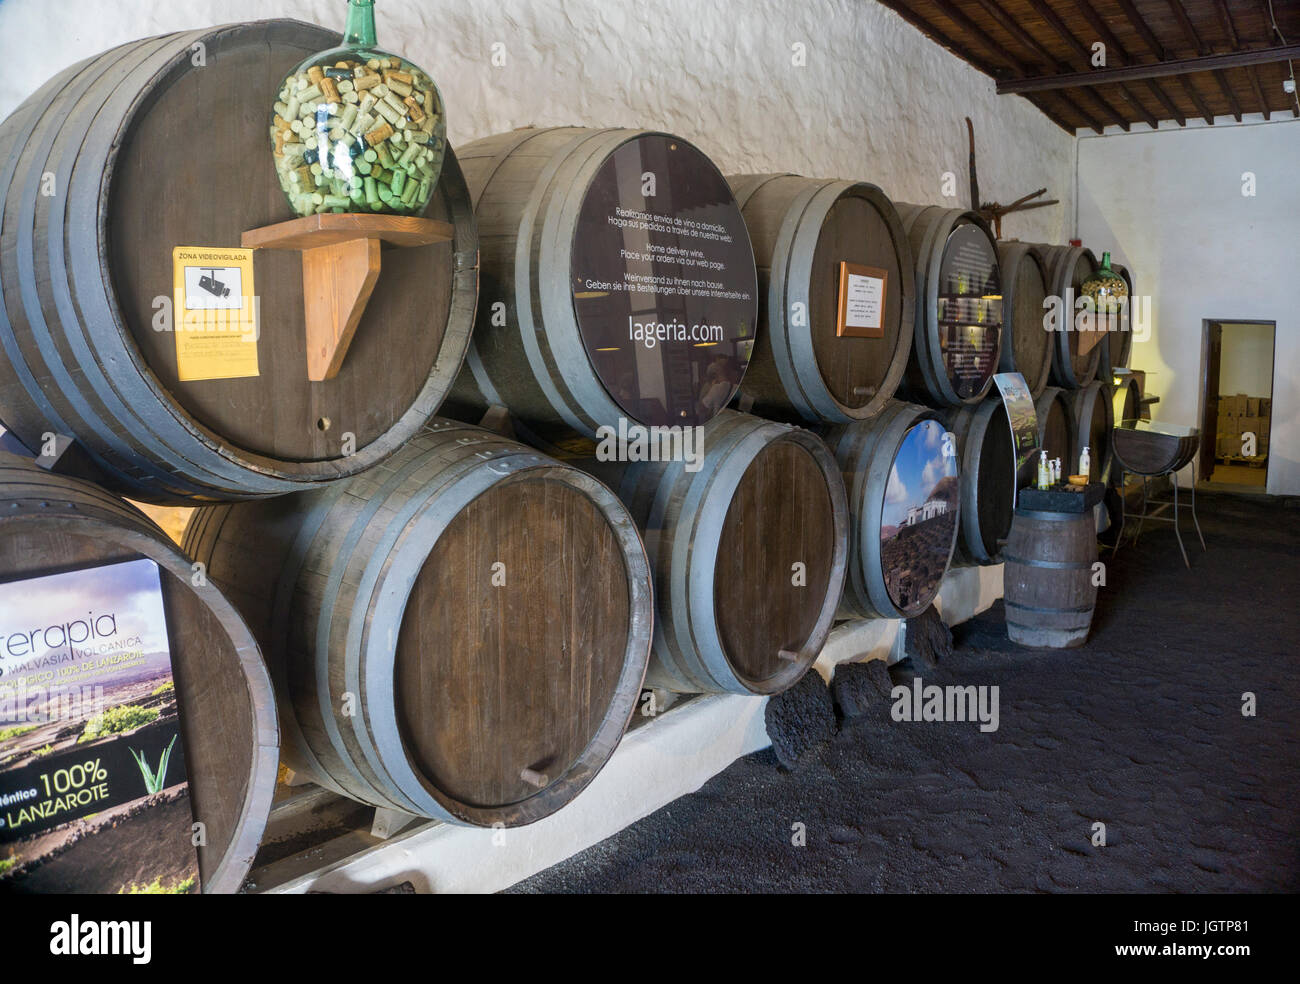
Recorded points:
153,782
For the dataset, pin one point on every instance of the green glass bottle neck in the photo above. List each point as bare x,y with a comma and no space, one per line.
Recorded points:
360,28
1105,260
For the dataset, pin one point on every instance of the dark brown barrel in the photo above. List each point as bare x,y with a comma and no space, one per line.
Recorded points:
459,633
803,229
1126,401
161,144
1026,344
901,472
618,281
1056,428
1093,414
1121,343
1067,268
988,479
51,523
748,544
1047,581
959,312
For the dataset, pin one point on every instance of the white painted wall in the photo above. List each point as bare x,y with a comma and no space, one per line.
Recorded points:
1246,363
876,100
1169,204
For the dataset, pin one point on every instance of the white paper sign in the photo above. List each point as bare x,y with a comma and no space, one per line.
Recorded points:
864,301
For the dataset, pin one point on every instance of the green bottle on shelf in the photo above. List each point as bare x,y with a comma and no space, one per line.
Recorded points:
1107,290
357,129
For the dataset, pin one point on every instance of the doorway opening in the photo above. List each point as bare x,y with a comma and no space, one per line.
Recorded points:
1236,403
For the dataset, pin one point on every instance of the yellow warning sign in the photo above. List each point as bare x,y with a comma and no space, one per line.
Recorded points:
215,311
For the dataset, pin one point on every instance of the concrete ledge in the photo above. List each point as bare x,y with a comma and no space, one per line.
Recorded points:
669,756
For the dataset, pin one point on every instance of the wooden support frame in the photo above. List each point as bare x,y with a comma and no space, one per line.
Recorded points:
341,262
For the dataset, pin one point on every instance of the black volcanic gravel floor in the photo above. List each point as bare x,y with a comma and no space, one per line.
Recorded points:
1142,730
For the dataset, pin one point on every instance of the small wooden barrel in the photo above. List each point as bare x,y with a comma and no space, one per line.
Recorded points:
460,633
1026,344
1056,428
749,546
959,308
1067,267
618,282
901,472
1092,411
51,523
150,149
1047,581
988,479
1121,343
803,229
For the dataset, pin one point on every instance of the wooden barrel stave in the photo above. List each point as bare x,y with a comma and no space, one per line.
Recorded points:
1049,592
224,696
988,480
81,356
1122,344
766,495
357,589
800,369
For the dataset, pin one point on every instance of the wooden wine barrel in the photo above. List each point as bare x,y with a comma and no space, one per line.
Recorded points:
901,472
748,545
988,479
51,523
1092,412
160,144
599,249
1067,267
959,310
1126,401
483,610
803,230
1056,428
1121,343
1047,581
1026,344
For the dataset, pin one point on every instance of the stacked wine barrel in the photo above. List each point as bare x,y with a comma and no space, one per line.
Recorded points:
1092,412
988,479
809,363
1121,345
749,547
52,523
1056,430
576,328
459,633
957,342
1026,344
901,472
151,148
1067,267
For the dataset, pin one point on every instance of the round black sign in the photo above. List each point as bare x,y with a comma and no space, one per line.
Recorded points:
970,309
664,286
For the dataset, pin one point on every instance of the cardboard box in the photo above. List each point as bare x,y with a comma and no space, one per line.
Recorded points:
1265,406
1252,406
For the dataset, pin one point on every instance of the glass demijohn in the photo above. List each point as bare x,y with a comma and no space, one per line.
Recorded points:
355,129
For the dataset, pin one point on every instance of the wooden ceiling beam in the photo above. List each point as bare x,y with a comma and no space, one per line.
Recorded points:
1084,55
1199,48
1113,43
1027,40
1230,32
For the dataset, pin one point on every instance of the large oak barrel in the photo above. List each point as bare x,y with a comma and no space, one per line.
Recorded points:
51,523
1067,268
988,479
749,545
459,633
618,281
1056,428
1026,344
1048,589
1121,344
901,472
161,144
814,239
959,312
1092,412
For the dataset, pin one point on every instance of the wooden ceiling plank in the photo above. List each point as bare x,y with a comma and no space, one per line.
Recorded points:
1230,32
1199,48
1113,43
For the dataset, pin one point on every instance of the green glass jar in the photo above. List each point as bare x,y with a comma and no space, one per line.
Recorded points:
1108,291
356,129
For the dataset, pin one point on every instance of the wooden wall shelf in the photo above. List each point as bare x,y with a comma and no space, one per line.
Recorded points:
341,260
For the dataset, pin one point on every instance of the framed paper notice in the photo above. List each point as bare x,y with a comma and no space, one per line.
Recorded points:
862,301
